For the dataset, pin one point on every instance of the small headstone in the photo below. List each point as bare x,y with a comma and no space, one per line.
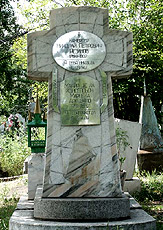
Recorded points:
150,136
150,155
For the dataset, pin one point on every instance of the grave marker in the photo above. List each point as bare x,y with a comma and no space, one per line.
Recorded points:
79,56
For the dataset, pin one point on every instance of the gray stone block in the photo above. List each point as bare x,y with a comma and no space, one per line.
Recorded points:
80,208
132,185
25,204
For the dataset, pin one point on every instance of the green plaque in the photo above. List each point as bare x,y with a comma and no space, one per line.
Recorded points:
80,101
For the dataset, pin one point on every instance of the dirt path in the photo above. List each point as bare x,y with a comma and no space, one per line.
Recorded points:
14,188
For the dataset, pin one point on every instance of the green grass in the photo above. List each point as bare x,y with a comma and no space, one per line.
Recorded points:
151,195
6,210
7,207
151,187
155,210
9,196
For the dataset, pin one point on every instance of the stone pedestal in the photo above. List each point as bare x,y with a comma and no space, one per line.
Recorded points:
80,208
23,218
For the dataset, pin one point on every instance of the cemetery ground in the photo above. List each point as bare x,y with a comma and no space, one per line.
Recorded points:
150,197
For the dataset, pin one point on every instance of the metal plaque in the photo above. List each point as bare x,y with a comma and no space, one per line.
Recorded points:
79,51
80,101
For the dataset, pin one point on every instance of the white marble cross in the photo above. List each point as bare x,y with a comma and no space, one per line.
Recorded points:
81,161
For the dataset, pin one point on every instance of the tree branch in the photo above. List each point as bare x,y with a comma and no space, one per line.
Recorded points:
13,37
58,3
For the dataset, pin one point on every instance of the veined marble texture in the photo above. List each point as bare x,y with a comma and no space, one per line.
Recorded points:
35,173
81,161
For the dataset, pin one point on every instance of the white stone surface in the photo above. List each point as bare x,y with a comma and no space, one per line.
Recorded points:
36,165
133,131
81,157
132,185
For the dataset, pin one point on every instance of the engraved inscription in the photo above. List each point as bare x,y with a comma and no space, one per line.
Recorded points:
79,51
80,101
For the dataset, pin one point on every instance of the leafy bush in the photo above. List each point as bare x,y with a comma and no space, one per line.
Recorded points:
13,152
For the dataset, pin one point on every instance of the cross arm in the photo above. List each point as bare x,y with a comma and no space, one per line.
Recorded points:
119,57
40,59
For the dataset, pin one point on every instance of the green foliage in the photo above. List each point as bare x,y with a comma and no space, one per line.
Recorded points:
148,47
13,98
42,89
9,198
13,152
151,187
144,20
151,195
3,119
6,210
35,13
122,143
9,29
13,82
20,49
155,210
35,16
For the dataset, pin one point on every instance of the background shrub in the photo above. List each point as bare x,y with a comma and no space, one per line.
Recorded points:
13,151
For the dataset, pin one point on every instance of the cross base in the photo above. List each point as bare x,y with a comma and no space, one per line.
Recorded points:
81,208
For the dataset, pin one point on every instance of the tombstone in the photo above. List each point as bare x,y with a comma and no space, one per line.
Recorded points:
133,129
151,144
150,136
78,56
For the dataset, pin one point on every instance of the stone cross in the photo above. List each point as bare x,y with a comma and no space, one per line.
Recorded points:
78,56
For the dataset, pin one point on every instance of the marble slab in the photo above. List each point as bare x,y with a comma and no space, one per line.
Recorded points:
133,130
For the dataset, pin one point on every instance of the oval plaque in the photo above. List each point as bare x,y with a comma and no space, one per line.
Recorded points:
79,51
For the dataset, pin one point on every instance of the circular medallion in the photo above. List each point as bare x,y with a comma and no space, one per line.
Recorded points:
79,51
